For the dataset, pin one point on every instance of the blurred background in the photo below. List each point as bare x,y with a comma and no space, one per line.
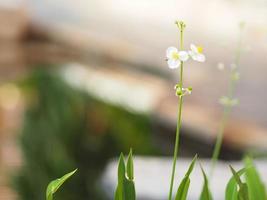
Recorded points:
82,81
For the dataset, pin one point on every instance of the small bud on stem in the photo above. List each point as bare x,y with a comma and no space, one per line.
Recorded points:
180,24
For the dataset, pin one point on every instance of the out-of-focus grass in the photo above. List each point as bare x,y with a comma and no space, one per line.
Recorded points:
65,129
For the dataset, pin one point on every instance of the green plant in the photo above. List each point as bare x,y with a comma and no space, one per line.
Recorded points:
244,184
251,189
176,59
256,188
242,191
205,194
228,101
56,184
57,120
184,185
125,189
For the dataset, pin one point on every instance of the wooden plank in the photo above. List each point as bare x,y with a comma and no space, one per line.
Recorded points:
148,93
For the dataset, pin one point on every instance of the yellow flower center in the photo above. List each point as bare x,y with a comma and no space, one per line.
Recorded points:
199,49
175,56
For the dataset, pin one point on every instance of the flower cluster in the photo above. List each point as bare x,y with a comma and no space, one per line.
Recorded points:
175,57
180,91
228,102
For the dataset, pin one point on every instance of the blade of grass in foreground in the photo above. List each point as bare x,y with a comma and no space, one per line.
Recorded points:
125,188
119,194
55,185
205,194
184,185
256,187
242,193
231,188
230,101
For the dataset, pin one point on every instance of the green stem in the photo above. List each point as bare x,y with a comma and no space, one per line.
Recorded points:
226,110
178,127
219,140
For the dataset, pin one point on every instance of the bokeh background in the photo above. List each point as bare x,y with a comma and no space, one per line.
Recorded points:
83,80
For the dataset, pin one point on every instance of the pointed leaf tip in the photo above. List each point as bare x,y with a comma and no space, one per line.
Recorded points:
54,185
191,167
185,183
205,194
130,166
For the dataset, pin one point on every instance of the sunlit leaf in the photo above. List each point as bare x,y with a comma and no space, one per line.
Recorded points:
255,185
243,188
125,188
130,168
205,194
129,189
232,188
119,194
184,185
55,185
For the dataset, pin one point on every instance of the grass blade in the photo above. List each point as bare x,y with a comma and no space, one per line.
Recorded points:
55,185
231,191
205,194
119,194
125,189
184,185
243,188
130,168
255,185
129,189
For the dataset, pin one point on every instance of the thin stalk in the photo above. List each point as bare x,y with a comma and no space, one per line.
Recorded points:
226,109
178,127
219,139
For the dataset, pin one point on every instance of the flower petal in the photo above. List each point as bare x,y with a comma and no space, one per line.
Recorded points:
201,58
183,55
194,48
170,51
191,53
194,56
174,63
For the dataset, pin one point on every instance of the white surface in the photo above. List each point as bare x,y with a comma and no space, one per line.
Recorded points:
152,177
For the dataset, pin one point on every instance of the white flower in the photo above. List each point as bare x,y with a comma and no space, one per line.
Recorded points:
175,57
226,101
196,53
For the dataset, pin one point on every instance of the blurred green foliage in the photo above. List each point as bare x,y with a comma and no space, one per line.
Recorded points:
65,129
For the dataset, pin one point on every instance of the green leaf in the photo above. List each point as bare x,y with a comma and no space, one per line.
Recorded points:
121,169
129,190
119,194
55,185
231,188
243,192
130,168
125,189
184,185
183,189
243,188
205,194
256,187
